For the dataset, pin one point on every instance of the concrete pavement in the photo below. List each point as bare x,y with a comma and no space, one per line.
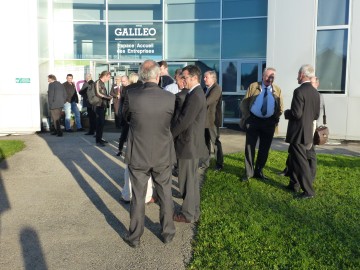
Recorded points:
60,208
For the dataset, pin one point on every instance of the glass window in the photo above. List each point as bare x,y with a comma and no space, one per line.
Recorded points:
135,41
42,8
193,9
79,10
333,12
229,76
331,57
249,74
244,8
43,27
244,38
79,40
232,107
120,10
191,40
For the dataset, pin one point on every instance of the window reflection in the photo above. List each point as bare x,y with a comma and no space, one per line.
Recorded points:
244,8
202,40
335,12
192,9
250,38
229,76
331,56
249,74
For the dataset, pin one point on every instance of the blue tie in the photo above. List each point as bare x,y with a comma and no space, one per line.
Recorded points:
264,105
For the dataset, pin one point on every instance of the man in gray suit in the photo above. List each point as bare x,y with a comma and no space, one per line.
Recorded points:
150,150
188,131
305,108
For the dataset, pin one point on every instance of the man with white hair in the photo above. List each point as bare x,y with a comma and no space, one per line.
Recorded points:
305,108
150,151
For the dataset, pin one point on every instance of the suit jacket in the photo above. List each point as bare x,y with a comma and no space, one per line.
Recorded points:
180,98
149,110
114,93
253,91
213,102
83,92
122,99
189,128
71,92
56,95
305,108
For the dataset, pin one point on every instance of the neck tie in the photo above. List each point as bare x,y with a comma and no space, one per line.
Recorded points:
264,105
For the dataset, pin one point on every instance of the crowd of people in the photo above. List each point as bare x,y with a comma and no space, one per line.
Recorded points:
171,127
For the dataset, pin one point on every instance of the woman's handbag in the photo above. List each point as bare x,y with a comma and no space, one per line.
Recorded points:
321,135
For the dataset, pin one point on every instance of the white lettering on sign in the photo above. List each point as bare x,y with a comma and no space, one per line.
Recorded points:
132,32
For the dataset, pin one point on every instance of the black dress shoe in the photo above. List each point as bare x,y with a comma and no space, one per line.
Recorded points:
180,218
124,201
260,175
293,188
80,129
118,153
304,196
245,178
100,144
131,244
103,141
175,173
218,168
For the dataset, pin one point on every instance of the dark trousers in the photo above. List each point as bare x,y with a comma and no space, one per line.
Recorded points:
92,119
262,130
212,137
55,115
100,122
139,178
189,188
299,168
311,157
123,135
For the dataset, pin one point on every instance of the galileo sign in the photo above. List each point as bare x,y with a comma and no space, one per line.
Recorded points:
131,42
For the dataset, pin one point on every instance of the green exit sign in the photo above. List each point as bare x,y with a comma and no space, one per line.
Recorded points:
22,80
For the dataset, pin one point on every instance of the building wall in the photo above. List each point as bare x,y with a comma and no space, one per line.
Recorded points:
20,106
291,43
353,106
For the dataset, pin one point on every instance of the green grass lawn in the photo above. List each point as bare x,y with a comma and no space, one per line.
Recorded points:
259,225
10,147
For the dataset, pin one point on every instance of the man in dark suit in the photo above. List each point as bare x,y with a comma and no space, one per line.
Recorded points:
305,108
213,96
133,82
56,99
188,131
180,98
150,150
261,109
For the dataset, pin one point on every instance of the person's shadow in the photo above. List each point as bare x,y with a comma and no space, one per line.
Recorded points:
4,201
31,250
101,168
